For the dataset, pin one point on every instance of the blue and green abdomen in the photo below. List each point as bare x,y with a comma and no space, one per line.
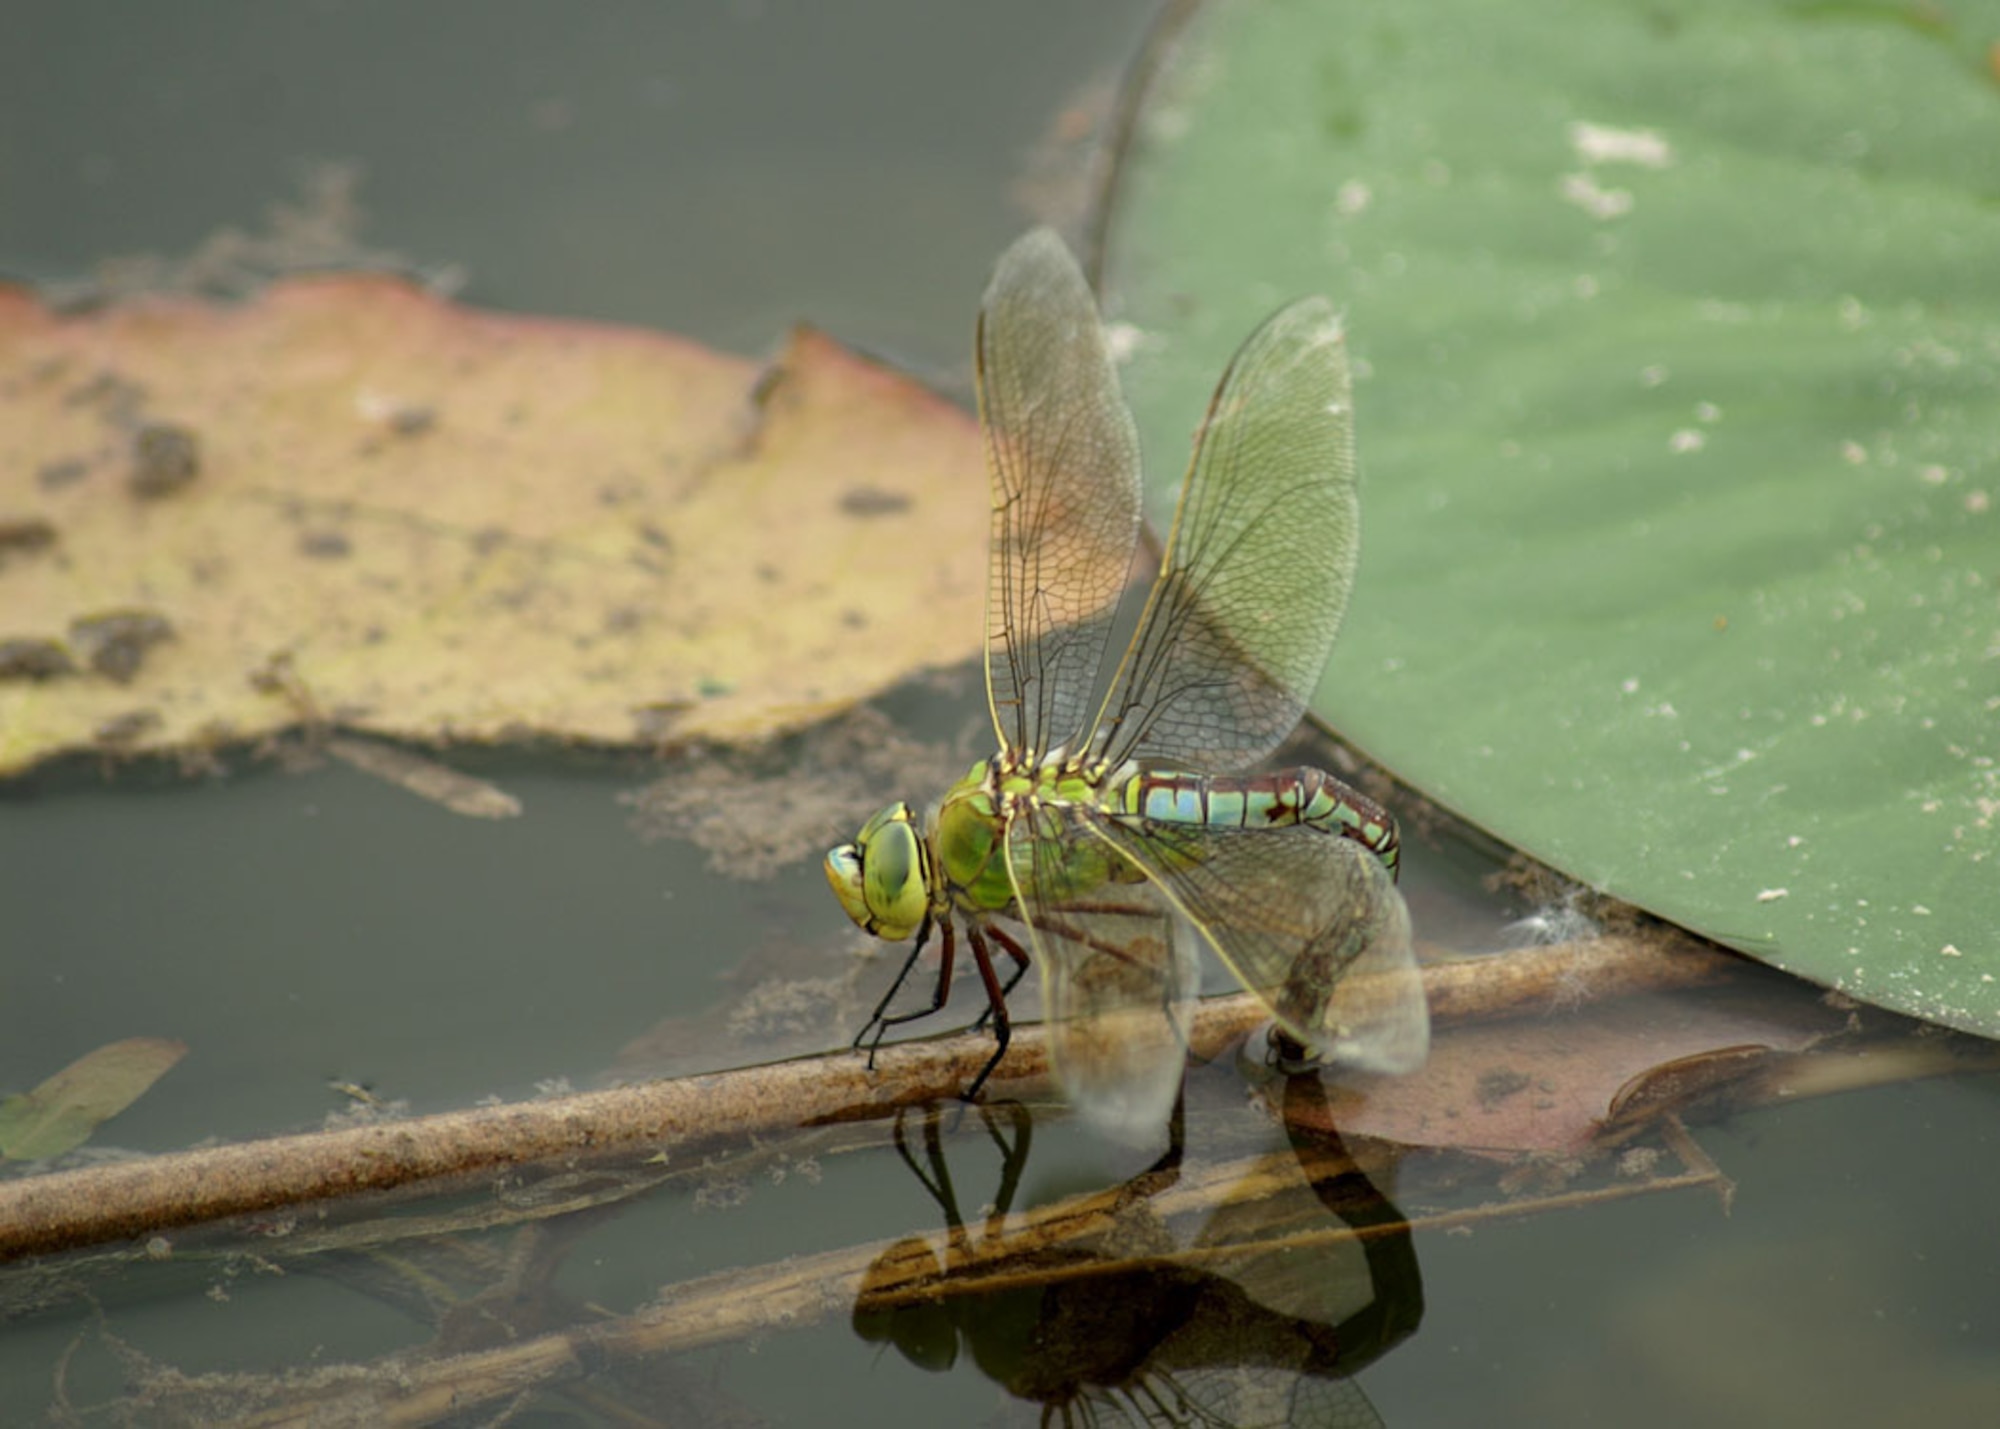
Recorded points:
1301,795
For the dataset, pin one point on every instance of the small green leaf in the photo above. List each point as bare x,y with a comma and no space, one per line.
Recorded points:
63,1111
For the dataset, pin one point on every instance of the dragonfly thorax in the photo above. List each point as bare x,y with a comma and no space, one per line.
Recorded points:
992,825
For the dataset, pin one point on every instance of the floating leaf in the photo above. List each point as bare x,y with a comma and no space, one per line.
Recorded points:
1678,356
63,1111
459,525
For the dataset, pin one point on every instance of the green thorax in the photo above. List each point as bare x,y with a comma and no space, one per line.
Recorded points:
968,835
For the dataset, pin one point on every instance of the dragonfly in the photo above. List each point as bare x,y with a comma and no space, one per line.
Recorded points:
1108,834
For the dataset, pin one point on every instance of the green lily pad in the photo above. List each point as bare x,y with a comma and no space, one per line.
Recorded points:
1678,354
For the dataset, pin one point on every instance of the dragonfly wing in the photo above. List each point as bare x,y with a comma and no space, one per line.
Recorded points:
1247,1393
1063,455
1119,975
1260,562
1309,921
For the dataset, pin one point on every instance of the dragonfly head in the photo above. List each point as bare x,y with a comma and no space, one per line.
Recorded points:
882,879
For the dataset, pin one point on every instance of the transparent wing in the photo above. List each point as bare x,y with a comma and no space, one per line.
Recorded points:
1309,921
1063,455
1242,1396
1118,973
1260,562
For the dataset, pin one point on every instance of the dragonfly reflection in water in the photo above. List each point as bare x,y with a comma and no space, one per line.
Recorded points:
1245,1303
1088,843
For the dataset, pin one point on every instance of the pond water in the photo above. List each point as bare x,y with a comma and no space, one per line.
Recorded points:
322,940
301,930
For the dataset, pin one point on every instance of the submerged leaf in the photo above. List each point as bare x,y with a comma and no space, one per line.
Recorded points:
427,779
61,1113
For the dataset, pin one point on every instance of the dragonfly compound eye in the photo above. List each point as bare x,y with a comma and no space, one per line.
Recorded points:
879,878
843,874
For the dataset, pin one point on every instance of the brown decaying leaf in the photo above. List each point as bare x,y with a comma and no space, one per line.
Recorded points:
463,525
1544,1079
61,1113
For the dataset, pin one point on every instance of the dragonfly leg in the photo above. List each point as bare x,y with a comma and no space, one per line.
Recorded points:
903,976
1013,1159
1020,956
996,1005
937,1178
880,1022
1287,1055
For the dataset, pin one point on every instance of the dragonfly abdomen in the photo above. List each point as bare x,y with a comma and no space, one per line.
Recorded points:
1301,795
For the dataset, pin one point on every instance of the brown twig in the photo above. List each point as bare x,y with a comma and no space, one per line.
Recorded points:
69,1209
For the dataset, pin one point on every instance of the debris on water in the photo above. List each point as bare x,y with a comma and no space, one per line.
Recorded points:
26,533
325,545
115,642
165,458
873,501
398,417
127,728
32,659
66,471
